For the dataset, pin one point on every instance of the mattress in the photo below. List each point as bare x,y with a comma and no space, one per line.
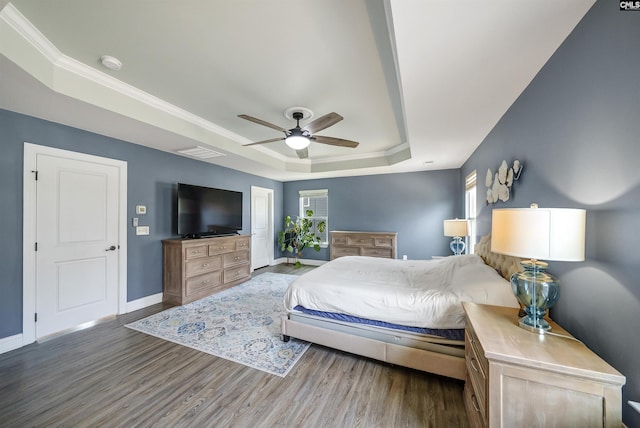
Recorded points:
416,293
445,333
402,338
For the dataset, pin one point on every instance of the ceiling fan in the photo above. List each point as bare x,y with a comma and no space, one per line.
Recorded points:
299,138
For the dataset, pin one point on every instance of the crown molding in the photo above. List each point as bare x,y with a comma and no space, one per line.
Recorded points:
33,36
58,60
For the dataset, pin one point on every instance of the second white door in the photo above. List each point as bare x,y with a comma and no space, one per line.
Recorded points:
261,227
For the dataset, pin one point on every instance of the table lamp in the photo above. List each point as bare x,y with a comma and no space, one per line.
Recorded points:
457,229
538,233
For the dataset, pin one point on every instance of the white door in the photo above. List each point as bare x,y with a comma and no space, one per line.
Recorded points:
77,206
261,227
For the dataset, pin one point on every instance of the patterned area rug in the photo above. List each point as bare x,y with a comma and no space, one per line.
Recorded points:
240,324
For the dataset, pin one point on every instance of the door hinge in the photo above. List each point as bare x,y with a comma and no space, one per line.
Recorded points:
35,317
36,174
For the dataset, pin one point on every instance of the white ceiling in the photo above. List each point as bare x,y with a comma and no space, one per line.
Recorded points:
420,83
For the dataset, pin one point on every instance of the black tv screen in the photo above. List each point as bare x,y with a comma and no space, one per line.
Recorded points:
206,211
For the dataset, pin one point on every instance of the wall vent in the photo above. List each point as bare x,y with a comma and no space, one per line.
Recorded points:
200,152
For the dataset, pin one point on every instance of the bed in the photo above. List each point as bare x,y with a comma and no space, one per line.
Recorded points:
404,312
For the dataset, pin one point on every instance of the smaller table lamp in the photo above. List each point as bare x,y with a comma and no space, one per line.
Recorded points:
457,229
538,233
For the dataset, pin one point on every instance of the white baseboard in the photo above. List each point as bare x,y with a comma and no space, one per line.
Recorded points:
134,305
309,262
10,343
14,342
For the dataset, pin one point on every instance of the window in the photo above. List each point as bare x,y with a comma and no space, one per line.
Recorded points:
318,202
470,209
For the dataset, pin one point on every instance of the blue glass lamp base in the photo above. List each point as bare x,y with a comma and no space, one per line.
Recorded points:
539,326
457,246
537,291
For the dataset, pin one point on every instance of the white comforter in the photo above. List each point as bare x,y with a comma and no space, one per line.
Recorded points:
417,293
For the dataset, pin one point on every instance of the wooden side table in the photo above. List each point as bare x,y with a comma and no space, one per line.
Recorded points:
516,378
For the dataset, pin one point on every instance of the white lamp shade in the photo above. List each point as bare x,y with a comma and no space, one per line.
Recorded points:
456,227
539,233
297,142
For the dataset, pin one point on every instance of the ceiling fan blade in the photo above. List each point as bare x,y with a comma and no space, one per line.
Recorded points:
270,140
262,122
322,122
303,154
332,141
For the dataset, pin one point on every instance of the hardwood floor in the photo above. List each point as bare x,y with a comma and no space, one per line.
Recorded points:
111,376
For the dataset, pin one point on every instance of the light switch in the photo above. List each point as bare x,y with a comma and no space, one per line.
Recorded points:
142,230
141,209
135,222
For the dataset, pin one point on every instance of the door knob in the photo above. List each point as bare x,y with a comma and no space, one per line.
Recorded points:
111,248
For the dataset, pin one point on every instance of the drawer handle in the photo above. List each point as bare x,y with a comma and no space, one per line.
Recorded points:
474,403
205,265
195,252
236,258
473,365
206,281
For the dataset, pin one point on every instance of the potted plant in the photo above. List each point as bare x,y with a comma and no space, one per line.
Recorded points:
299,234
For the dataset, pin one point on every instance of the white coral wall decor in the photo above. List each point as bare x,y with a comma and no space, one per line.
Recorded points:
499,186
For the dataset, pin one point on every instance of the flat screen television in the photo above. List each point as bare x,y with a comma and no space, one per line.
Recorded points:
205,211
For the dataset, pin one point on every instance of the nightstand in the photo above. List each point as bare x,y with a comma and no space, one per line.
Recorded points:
516,378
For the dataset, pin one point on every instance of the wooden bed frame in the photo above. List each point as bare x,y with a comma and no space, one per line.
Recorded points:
422,352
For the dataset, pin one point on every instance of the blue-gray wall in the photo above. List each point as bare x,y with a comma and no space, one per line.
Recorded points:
577,129
412,204
152,178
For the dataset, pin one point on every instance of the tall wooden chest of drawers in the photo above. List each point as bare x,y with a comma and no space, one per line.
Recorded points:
196,268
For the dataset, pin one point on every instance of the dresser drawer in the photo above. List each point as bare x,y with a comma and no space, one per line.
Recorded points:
366,241
386,242
339,240
203,282
475,416
377,252
223,245
202,265
195,252
345,251
476,373
243,243
239,257
238,272
472,339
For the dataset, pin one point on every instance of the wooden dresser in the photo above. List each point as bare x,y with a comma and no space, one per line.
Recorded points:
196,268
516,378
374,244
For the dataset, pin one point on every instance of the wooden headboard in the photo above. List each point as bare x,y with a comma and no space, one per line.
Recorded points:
505,265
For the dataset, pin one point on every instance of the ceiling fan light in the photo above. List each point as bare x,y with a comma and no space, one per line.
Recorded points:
297,142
